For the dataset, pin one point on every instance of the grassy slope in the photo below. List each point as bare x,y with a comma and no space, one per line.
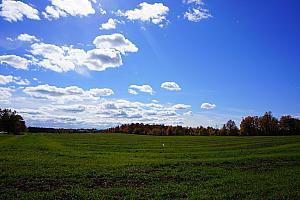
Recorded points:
119,166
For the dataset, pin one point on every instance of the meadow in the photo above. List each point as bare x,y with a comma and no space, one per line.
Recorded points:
120,166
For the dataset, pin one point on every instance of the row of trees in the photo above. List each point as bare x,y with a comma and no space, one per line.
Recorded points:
250,126
269,125
11,122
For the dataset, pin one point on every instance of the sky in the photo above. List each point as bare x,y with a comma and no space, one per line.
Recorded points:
101,63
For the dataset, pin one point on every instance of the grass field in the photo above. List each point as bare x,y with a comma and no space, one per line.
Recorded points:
117,166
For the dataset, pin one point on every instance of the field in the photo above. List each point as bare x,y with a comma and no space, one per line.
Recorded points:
118,166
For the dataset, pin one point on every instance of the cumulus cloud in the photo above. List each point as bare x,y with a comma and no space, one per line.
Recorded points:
135,89
64,59
107,54
208,106
155,13
52,57
172,86
99,113
110,24
115,41
12,79
14,61
71,93
101,59
27,38
63,8
53,13
13,11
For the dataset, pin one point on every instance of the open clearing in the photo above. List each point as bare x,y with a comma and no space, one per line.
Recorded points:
119,166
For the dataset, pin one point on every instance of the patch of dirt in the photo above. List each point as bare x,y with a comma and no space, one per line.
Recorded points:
97,182
261,165
100,182
173,195
40,185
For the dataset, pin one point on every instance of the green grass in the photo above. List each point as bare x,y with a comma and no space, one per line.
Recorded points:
116,166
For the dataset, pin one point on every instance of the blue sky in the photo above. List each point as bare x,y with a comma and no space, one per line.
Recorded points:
91,63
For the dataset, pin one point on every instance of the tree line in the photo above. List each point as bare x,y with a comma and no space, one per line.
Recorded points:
13,123
250,126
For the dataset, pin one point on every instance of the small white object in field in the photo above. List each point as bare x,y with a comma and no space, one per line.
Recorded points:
163,145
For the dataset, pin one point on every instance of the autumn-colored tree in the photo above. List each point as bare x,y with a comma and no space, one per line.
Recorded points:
289,125
169,131
265,125
269,125
250,126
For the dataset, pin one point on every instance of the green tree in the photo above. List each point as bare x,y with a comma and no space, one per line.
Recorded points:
230,128
11,122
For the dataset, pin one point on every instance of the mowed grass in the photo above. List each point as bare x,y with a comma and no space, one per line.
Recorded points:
119,166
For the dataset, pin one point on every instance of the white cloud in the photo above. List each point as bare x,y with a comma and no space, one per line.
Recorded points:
172,86
9,39
14,61
52,57
107,54
71,108
196,11
64,59
101,59
6,93
71,93
197,2
100,92
13,11
155,13
94,114
115,41
110,24
5,79
102,11
135,89
208,106
189,113
27,38
197,14
12,79
63,8
181,106
132,91
89,108
53,12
